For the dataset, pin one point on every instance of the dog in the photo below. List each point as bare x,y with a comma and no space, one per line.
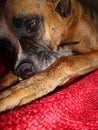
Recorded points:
53,41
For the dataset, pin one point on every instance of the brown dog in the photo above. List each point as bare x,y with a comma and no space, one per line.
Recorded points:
41,32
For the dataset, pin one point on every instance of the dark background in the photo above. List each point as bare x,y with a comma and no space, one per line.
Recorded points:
92,3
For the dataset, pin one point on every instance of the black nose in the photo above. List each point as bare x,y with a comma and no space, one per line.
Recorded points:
25,70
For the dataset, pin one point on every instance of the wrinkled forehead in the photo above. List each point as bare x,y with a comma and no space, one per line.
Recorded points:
24,7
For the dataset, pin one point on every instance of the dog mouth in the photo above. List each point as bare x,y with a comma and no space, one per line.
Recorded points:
25,70
37,59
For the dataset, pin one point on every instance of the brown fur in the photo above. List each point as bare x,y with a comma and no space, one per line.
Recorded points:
80,26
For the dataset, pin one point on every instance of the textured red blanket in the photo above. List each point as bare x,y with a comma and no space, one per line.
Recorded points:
74,107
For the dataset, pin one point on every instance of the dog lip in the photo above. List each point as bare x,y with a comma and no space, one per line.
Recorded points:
23,62
18,70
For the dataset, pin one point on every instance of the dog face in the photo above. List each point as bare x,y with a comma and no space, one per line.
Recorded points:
37,28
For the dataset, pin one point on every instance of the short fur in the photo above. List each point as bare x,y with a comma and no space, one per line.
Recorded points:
39,48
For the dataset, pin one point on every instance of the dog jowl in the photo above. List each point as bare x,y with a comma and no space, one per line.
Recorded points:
33,58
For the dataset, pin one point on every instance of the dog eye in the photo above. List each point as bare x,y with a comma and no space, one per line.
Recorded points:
31,26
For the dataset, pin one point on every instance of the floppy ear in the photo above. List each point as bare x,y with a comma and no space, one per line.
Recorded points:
63,7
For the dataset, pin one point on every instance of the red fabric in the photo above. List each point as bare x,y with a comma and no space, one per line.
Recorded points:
74,107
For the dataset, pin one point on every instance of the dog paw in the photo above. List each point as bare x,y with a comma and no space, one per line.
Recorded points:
7,80
27,91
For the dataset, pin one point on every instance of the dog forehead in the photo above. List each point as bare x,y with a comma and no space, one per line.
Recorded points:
17,7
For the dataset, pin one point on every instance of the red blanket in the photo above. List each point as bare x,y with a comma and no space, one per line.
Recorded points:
74,107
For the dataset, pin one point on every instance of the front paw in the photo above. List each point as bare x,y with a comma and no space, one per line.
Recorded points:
26,91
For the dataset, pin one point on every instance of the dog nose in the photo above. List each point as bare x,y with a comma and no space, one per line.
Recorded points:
25,70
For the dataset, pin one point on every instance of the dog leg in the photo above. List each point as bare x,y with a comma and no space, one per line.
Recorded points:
7,80
46,81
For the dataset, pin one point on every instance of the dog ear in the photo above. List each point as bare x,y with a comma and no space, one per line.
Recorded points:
63,7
